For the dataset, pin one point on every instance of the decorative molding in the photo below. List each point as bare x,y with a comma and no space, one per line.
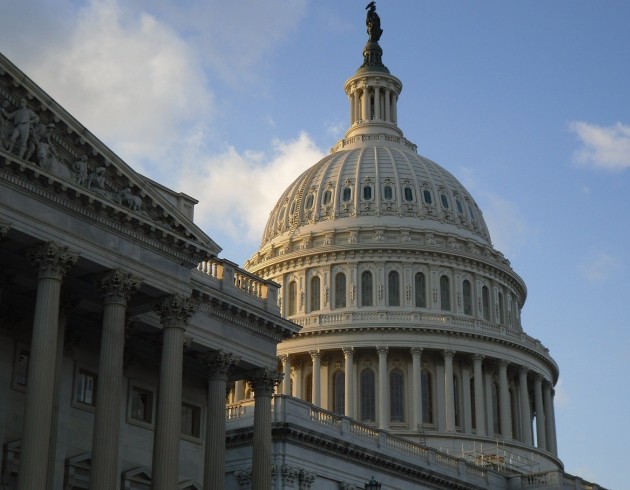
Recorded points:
175,311
52,259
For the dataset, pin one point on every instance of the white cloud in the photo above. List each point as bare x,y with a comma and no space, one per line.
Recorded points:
599,267
237,190
562,398
606,147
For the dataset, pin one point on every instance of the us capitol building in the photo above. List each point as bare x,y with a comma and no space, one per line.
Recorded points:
373,341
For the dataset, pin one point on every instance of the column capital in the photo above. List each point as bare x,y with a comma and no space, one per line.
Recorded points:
175,311
523,370
52,260
448,354
4,229
284,358
315,354
348,351
118,286
382,350
478,358
219,363
503,364
264,380
416,351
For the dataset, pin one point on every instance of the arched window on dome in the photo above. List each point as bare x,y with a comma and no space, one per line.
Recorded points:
501,308
396,396
427,397
327,199
388,193
445,203
367,290
315,293
308,388
292,303
408,193
467,293
445,293
393,288
367,395
367,193
310,199
471,212
421,290
340,290
485,301
496,409
339,392
456,399
292,208
426,195
346,195
460,208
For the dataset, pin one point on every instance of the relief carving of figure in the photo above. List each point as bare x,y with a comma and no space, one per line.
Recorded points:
22,119
46,153
373,23
4,126
96,181
80,168
126,198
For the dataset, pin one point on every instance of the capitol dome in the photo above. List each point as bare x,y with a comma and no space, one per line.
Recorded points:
411,319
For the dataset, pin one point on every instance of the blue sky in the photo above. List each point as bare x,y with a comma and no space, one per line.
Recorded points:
527,103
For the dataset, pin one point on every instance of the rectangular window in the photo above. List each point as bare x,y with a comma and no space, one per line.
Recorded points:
191,420
141,405
20,367
85,387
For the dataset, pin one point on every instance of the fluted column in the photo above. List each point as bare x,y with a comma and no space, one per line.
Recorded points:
449,393
526,416
356,107
550,428
541,438
365,114
52,262
219,364
348,354
504,400
175,311
466,396
377,103
317,358
286,371
416,390
480,419
263,383
383,392
118,286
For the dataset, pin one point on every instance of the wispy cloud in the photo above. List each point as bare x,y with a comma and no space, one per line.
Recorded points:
562,398
599,266
606,147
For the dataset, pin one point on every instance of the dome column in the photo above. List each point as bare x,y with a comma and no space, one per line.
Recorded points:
550,423
416,389
466,396
286,370
541,439
526,417
383,395
449,393
480,419
489,412
348,354
365,114
504,401
316,357
377,103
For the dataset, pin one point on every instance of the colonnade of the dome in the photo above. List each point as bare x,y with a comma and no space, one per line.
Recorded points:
373,98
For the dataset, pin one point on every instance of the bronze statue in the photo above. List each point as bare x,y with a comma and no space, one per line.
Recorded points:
373,23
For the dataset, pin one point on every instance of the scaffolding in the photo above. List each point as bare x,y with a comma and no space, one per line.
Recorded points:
497,457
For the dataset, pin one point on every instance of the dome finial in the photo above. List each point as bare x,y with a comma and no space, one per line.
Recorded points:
372,52
373,23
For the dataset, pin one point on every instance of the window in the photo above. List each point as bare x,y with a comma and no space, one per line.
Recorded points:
292,309
467,293
408,193
428,198
514,412
501,309
85,387
393,286
340,290
388,193
472,213
427,397
308,395
444,199
315,293
292,209
445,293
20,367
367,298
496,409
458,418
327,197
396,396
309,201
367,193
460,209
473,410
141,405
191,420
339,392
485,299
368,396
347,194
421,290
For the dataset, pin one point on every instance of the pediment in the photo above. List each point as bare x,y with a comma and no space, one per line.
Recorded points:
42,144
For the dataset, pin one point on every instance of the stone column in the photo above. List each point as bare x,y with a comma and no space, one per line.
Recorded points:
316,357
416,390
52,262
365,113
388,95
263,383
489,413
526,416
348,354
356,107
219,364
466,396
449,393
174,311
541,438
286,372
480,419
118,286
383,392
504,400
550,429
377,103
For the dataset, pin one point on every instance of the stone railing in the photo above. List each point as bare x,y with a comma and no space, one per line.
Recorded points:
555,480
228,275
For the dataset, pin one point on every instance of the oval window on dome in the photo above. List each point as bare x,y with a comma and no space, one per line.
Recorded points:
367,193
460,209
388,193
408,193
428,198
472,213
445,203
327,197
347,194
309,201
292,209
